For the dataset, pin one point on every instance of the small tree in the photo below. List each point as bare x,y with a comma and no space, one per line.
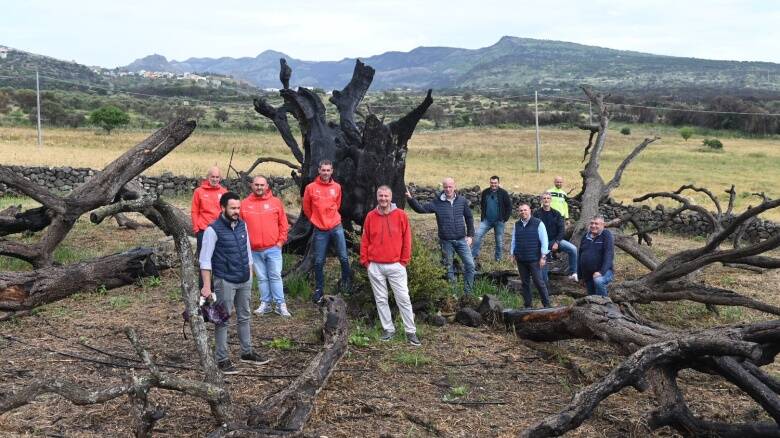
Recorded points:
221,115
713,143
626,130
686,133
109,117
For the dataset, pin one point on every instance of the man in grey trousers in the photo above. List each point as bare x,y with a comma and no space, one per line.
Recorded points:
226,258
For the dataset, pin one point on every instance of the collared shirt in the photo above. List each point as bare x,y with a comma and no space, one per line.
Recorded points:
541,230
210,241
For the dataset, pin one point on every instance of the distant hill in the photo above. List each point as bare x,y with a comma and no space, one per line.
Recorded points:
18,68
511,62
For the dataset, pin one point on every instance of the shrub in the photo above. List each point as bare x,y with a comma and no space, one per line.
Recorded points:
626,130
713,143
426,275
109,117
686,133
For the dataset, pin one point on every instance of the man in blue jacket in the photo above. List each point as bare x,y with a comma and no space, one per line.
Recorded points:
597,252
452,211
226,258
529,249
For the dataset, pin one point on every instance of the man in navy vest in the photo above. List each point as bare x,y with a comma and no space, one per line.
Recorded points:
226,260
529,249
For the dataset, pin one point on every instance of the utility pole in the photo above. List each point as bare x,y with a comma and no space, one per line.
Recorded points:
536,116
590,113
38,101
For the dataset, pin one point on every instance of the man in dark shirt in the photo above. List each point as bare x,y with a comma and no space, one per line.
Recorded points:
597,252
495,208
556,230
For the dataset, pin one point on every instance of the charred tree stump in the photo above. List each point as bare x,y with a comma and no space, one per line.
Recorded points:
656,355
365,154
25,290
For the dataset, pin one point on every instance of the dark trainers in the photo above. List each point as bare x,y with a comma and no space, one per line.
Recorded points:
316,297
413,340
386,335
254,358
227,367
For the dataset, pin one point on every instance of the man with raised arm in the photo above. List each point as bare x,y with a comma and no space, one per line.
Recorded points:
267,224
226,262
456,228
385,250
321,203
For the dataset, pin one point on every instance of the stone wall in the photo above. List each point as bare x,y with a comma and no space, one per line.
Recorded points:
64,179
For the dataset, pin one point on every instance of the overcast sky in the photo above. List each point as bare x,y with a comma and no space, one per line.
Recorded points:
109,34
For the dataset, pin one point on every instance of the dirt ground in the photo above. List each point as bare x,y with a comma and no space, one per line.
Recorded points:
466,382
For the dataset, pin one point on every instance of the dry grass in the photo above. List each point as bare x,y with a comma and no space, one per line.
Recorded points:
470,155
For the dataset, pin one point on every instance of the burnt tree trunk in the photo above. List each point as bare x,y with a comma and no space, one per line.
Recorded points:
25,290
366,154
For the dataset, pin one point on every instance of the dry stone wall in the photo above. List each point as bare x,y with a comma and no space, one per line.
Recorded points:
64,179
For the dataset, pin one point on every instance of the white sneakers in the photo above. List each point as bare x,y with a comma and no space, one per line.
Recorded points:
573,277
280,309
265,308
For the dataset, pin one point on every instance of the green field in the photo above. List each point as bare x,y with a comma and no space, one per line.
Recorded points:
469,155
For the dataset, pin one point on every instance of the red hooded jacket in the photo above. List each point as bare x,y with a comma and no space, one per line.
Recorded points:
265,220
387,238
205,205
321,203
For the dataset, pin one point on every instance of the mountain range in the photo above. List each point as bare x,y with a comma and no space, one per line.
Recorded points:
511,62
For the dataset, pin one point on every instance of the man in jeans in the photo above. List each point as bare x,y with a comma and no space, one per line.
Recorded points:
267,224
495,208
597,251
529,249
556,229
205,206
321,203
226,258
452,211
385,250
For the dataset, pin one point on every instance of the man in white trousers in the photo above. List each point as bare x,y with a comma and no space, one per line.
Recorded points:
385,250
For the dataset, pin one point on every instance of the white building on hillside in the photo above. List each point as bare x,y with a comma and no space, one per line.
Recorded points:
4,52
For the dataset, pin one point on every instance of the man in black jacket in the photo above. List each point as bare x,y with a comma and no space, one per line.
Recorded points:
452,210
556,230
495,208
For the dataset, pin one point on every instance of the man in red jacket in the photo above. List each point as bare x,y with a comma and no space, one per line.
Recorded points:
321,203
385,250
205,205
267,225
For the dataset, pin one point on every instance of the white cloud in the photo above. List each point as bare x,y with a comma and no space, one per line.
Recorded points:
115,33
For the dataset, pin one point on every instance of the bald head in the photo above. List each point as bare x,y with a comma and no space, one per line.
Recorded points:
558,181
448,186
213,176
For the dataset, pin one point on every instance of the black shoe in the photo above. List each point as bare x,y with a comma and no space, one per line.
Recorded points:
227,367
316,297
413,339
254,358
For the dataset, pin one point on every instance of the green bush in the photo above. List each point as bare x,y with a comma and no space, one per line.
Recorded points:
626,130
713,143
426,275
686,133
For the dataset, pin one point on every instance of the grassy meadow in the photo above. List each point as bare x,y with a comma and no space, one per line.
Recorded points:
469,155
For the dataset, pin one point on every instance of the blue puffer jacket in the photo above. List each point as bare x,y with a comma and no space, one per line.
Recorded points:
450,217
